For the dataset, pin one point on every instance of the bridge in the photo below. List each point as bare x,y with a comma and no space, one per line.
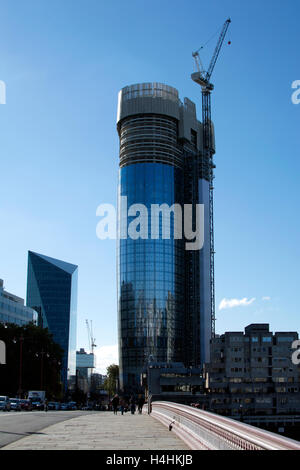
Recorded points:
170,426
203,430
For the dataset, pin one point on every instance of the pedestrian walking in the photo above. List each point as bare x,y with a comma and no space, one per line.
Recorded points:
46,405
132,405
115,404
122,406
141,402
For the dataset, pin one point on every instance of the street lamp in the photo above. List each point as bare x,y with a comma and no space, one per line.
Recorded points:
241,408
55,366
150,359
21,339
41,354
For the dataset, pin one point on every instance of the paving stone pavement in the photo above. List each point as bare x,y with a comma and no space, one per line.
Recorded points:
102,431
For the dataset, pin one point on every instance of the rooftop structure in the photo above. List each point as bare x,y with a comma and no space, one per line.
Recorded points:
13,310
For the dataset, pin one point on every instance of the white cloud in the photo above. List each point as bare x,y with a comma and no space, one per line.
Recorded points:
105,356
266,298
230,303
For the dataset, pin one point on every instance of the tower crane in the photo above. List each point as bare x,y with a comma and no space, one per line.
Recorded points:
203,77
92,340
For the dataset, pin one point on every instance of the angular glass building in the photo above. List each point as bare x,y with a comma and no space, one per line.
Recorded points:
164,290
52,292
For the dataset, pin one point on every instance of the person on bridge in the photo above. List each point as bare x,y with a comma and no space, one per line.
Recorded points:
141,402
122,405
132,405
115,404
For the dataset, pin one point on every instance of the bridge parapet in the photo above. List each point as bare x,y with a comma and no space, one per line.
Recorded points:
205,430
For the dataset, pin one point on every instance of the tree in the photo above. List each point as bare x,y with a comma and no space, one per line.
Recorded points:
112,380
33,361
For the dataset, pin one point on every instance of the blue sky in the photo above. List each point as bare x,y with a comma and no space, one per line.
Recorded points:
64,62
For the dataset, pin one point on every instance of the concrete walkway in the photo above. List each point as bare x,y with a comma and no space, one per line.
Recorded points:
102,431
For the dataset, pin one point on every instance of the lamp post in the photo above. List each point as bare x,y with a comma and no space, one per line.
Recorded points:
150,359
55,365
21,366
41,354
21,339
241,408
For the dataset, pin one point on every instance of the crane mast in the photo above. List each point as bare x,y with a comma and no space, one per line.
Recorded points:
202,78
92,340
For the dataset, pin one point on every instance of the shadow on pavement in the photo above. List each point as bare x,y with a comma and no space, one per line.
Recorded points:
21,433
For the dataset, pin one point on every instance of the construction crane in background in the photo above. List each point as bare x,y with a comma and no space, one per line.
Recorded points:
92,340
203,77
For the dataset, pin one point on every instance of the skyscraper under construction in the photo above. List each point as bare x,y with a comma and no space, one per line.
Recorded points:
164,290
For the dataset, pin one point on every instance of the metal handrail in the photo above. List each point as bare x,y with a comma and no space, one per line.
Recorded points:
202,429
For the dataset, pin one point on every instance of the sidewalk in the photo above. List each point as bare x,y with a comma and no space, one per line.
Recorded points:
102,431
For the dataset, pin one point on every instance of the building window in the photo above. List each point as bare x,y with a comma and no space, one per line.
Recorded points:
285,339
194,137
235,338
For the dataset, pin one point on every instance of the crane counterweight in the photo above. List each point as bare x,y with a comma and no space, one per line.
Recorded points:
198,78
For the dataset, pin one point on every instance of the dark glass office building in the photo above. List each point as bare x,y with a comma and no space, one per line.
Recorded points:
164,302
52,292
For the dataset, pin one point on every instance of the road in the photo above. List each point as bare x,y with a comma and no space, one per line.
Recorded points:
15,425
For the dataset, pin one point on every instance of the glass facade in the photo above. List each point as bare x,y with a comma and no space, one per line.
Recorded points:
151,275
164,290
52,292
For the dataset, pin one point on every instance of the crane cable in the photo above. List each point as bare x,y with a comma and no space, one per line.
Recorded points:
210,39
